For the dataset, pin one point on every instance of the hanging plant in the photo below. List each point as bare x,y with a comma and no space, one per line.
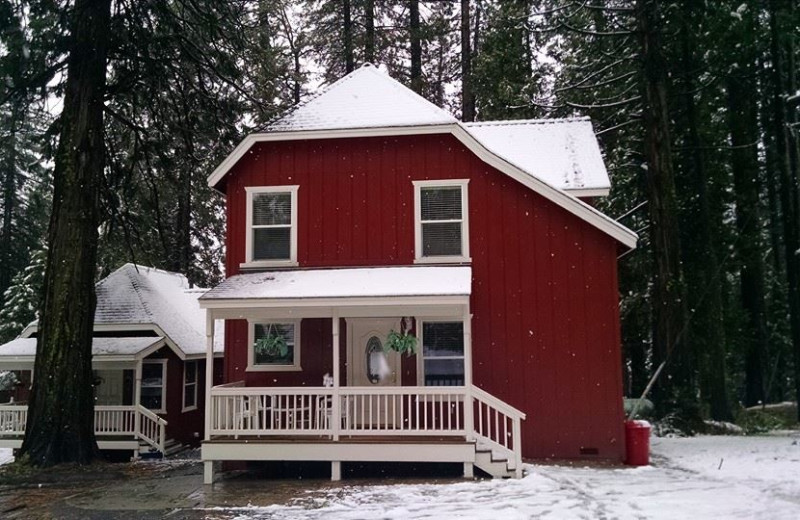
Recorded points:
273,344
405,343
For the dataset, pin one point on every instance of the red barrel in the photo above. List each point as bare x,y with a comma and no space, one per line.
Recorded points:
637,443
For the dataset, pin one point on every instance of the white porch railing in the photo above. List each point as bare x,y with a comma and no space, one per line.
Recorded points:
123,421
467,412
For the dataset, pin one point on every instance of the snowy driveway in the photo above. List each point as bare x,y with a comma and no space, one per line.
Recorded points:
703,477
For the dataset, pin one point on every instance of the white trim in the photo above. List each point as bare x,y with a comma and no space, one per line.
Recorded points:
163,363
196,383
559,197
249,303
292,260
420,323
418,186
588,192
251,328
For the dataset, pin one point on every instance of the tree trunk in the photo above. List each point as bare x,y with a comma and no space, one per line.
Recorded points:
467,94
782,51
416,47
743,124
347,15
702,257
369,31
60,425
674,391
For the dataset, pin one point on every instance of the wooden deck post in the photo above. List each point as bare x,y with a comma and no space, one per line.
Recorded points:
336,471
137,399
209,370
469,407
469,470
336,404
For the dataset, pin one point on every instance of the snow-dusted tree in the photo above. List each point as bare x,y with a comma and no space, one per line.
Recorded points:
22,298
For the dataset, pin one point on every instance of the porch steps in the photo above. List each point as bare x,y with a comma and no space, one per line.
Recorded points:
171,447
493,463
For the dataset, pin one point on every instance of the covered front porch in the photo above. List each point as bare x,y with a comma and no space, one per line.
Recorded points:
354,400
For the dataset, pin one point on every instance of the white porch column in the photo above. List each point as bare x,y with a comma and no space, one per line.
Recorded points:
469,407
137,397
208,466
336,408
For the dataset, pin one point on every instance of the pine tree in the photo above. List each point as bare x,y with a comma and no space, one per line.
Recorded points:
22,298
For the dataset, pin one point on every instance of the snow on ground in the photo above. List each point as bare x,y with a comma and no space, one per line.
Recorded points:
702,477
6,456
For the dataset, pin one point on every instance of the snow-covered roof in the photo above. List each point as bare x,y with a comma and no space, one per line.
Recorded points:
562,152
559,159
371,282
365,98
136,295
128,347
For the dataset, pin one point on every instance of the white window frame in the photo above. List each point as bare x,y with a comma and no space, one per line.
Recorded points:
251,338
420,323
163,363
442,183
292,260
196,384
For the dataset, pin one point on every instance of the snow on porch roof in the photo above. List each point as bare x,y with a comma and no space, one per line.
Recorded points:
372,282
26,347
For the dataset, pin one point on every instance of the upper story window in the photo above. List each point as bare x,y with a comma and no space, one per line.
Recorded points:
441,221
271,226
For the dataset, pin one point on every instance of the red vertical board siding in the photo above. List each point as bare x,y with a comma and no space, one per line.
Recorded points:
544,295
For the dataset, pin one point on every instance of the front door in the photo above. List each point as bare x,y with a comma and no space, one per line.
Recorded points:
370,366
110,387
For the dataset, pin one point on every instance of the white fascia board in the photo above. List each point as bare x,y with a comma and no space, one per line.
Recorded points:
568,201
250,303
588,192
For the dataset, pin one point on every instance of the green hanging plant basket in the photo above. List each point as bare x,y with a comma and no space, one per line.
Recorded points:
401,343
273,345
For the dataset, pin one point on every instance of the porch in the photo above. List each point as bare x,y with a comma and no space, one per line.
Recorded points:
116,427
370,412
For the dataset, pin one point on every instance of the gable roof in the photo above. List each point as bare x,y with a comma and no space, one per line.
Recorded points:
136,297
562,162
365,98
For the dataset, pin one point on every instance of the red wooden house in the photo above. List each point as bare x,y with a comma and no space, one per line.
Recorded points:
367,210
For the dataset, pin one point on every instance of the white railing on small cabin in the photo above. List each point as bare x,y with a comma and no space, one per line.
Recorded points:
108,421
467,412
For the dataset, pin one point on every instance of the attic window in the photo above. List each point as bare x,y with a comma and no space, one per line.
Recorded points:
271,226
441,221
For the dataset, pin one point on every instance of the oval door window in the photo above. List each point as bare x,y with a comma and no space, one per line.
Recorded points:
376,360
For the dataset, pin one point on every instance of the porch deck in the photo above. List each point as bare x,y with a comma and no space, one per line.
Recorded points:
375,424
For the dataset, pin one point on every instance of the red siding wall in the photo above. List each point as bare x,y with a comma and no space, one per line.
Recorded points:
545,303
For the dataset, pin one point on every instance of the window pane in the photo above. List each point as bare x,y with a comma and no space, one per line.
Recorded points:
272,244
444,372
190,396
442,339
441,239
152,374
191,372
151,397
272,208
274,344
440,203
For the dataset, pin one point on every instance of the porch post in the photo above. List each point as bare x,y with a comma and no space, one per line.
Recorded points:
137,398
336,408
208,465
468,404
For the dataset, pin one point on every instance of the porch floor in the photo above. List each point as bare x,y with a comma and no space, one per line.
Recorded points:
326,439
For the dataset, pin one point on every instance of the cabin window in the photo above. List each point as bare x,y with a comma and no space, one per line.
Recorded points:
189,386
154,385
442,233
442,353
271,226
274,346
